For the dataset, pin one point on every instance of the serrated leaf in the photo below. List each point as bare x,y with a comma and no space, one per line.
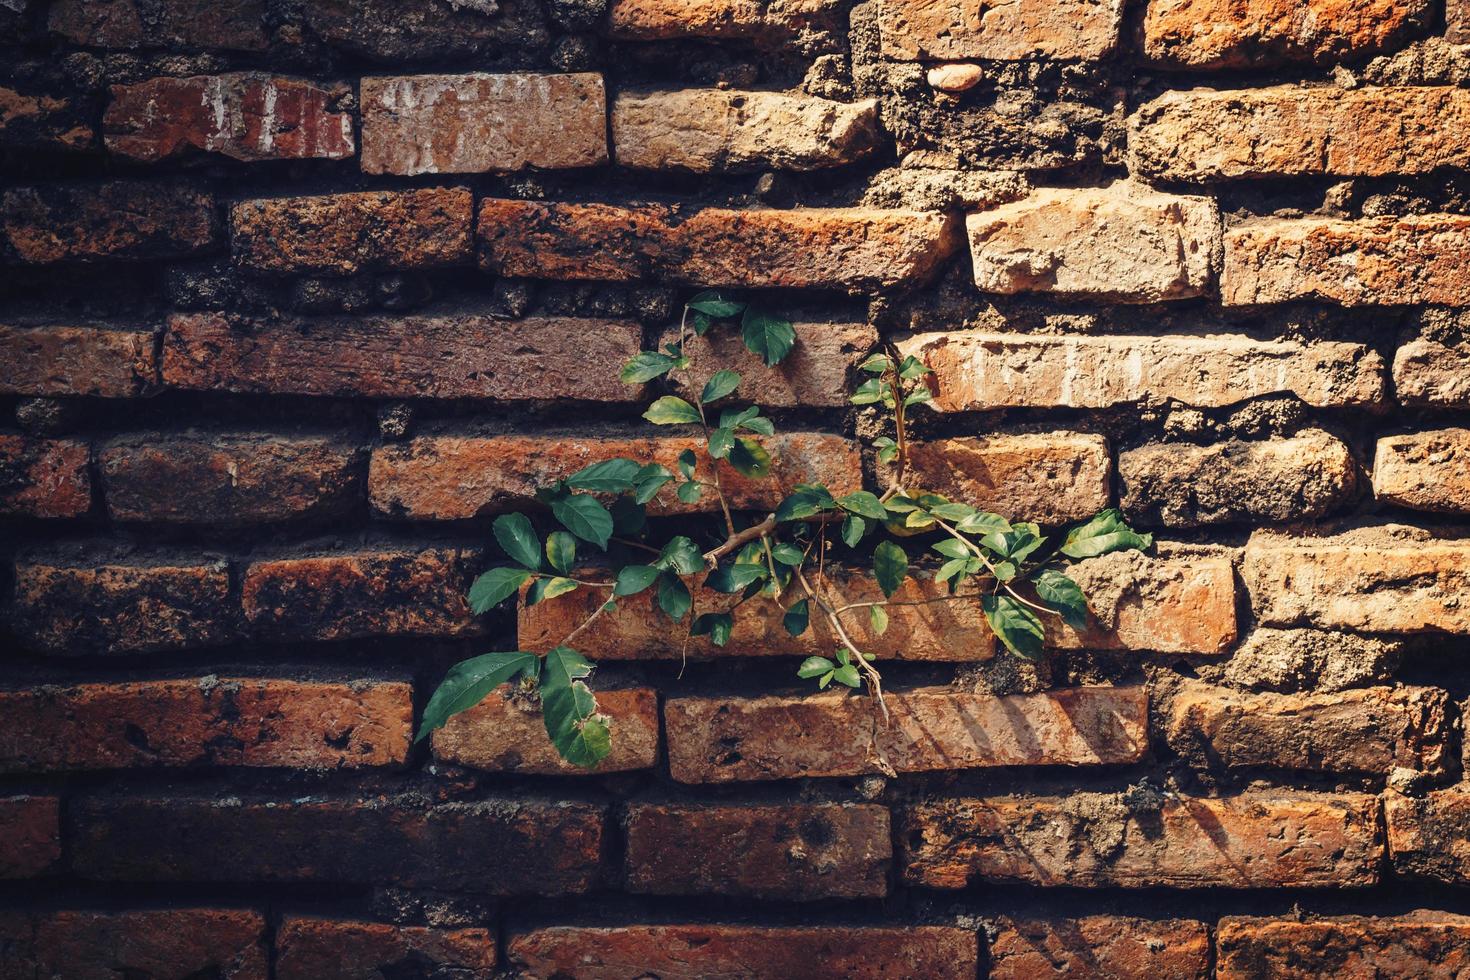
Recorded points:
890,566
673,596
569,709
797,618
671,410
721,441
633,579
853,529
681,555
558,586
1063,595
644,367
766,334
814,667
495,586
735,576
720,384
561,551
864,504
716,626
608,476
1016,626
1105,533
750,458
878,619
713,303
468,682
585,517
517,538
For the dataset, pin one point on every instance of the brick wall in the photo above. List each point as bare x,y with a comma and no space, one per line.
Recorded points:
297,295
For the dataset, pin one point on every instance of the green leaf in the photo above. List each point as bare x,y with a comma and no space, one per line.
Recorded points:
569,709
950,548
806,500
766,334
608,476
1015,544
1063,595
517,538
750,458
878,619
868,392
649,480
714,303
585,517
720,384
735,576
863,504
918,397
954,569
670,410
787,554
952,511
467,683
758,424
814,667
721,441
876,364
495,586
797,618
1104,533
645,367
558,586
681,555
1018,627
853,529
887,449
673,596
716,626
561,551
847,674
633,579
983,522
687,462
890,565
690,493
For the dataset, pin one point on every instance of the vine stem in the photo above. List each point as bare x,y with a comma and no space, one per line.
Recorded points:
738,539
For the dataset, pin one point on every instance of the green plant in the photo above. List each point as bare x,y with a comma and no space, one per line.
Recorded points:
1006,567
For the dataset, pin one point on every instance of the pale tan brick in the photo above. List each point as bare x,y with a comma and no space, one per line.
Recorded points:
1051,477
717,131
1124,243
1418,944
455,477
1424,470
1389,579
983,371
947,30
1267,839
502,734
1426,372
1372,262
454,124
715,740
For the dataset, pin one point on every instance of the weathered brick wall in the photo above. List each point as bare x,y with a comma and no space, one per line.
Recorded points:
295,295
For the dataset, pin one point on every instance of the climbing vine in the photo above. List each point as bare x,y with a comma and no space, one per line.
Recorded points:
1012,571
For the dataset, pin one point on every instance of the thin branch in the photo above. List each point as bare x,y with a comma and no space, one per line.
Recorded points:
738,539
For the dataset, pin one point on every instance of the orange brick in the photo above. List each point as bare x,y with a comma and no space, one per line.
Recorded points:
1211,34
816,373
1111,946
1419,944
1050,477
44,477
122,219
1424,470
1429,836
502,735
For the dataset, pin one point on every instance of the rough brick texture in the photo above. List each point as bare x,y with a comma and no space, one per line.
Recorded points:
1051,477
915,30
1100,945
114,220
32,835
1208,34
212,942
64,359
1418,944
1424,470
44,477
502,734
307,948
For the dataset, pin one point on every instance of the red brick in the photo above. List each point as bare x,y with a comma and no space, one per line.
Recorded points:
369,592
502,734
953,631
454,477
824,248
1182,485
1211,34
229,478
1429,836
31,120
772,25
1426,372
206,722
984,371
715,740
106,606
1050,477
1389,579
1419,944
1274,839
121,219
1424,470
44,477
1372,262
455,124
344,234
497,846
163,944
1112,946
927,30
445,356
105,362
241,115
677,952
816,373
311,948
30,836
130,24
800,852
1365,731
1292,131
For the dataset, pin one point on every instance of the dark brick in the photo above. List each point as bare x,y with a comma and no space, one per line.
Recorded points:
124,219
